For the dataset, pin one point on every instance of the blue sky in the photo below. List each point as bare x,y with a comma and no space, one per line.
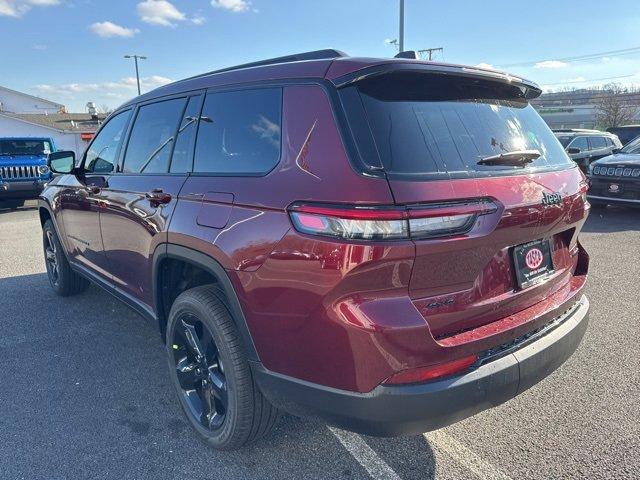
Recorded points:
71,50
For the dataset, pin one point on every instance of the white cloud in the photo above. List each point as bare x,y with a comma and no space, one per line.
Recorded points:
159,12
123,88
198,19
109,29
232,5
486,66
40,46
17,8
551,64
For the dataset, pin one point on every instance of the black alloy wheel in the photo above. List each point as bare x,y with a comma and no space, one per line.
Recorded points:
200,371
51,257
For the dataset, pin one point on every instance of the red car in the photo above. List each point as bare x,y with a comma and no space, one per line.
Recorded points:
390,245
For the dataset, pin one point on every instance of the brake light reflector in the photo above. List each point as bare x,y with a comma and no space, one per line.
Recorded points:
388,223
432,372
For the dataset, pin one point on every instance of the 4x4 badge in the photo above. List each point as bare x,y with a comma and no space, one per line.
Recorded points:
551,198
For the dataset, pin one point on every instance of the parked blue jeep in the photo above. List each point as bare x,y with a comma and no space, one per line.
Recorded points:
23,169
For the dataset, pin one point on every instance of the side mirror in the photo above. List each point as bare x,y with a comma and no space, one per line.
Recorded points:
573,150
616,150
62,162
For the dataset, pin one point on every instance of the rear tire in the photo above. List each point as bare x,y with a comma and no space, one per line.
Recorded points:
225,418
64,281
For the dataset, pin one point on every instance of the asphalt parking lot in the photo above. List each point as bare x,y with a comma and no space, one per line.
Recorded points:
85,392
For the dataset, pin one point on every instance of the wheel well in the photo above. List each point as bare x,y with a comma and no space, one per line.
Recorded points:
174,277
44,215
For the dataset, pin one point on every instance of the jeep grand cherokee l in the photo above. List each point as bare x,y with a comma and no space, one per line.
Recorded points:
387,244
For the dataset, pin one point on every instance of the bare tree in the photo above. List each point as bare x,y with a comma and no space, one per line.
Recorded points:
105,109
615,106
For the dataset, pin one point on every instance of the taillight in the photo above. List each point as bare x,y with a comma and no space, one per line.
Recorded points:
432,372
388,223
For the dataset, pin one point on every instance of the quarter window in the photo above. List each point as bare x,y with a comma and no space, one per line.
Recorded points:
152,137
101,154
239,132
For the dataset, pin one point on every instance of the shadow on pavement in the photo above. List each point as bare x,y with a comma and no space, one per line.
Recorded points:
612,219
92,398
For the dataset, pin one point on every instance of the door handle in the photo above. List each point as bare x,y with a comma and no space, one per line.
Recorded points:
158,197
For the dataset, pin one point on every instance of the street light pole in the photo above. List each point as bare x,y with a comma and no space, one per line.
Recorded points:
401,37
136,58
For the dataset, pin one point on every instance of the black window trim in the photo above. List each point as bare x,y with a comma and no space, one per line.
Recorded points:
236,88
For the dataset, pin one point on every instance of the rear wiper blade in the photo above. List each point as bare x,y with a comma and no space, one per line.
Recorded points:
515,158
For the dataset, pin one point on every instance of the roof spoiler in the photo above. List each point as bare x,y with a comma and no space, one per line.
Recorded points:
531,90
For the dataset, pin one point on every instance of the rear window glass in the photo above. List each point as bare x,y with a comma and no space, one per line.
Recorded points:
441,126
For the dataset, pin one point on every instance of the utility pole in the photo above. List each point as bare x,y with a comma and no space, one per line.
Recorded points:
136,58
430,51
401,37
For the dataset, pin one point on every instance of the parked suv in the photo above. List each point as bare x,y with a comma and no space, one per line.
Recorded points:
625,133
389,245
23,169
586,146
615,179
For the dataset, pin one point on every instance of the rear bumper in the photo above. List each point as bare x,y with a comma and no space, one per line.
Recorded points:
412,409
21,190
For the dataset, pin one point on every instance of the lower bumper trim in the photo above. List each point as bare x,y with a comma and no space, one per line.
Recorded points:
411,409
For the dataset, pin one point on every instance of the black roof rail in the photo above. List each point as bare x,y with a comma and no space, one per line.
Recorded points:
327,53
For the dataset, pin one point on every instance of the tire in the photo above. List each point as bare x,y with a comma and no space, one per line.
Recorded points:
64,281
200,313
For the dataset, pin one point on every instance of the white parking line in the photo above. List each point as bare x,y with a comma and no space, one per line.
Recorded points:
364,454
447,445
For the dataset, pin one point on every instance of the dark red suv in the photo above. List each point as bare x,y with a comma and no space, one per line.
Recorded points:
387,244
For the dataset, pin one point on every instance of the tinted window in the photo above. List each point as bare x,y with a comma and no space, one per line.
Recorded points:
183,151
152,137
101,155
598,142
564,141
580,142
632,147
438,125
239,132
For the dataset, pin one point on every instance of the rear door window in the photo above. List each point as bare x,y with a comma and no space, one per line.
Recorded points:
239,132
597,143
441,126
182,158
580,142
152,137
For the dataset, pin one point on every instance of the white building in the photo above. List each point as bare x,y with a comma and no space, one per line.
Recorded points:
23,115
18,102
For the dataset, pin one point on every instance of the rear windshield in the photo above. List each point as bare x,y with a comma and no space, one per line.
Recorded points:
441,125
24,147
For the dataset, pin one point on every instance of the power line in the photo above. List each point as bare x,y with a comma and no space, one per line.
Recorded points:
593,79
590,56
430,51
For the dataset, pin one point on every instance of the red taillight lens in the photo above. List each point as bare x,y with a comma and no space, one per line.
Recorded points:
432,372
388,223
